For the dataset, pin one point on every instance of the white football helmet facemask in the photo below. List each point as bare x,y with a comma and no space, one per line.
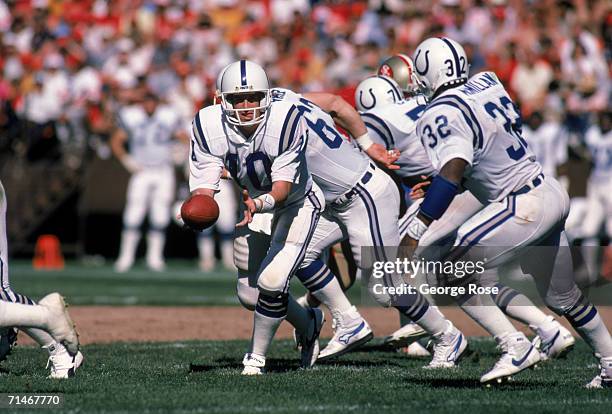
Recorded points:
240,81
376,91
400,68
440,61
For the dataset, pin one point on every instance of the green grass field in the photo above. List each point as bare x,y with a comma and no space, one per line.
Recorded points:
204,376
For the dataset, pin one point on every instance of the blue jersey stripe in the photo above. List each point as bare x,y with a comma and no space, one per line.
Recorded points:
455,56
286,135
468,114
243,74
200,134
382,126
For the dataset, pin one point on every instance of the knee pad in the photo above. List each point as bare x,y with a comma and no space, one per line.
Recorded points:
250,249
247,295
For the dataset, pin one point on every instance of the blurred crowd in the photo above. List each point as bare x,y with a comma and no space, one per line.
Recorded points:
67,65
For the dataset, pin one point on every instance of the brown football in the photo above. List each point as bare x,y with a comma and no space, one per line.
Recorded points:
200,211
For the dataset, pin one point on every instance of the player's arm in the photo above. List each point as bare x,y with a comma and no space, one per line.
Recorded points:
451,150
117,144
348,118
205,167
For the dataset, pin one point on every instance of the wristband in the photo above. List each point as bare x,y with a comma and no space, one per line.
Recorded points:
364,141
264,203
416,228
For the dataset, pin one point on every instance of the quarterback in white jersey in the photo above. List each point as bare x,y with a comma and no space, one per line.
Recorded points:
262,144
148,130
471,131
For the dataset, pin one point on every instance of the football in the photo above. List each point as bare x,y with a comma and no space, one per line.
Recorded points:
200,211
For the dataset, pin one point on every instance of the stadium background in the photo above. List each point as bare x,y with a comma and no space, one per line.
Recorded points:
65,68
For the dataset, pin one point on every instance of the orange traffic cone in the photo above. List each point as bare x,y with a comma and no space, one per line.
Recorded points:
48,253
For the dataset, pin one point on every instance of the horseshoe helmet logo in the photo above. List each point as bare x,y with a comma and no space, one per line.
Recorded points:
416,62
367,107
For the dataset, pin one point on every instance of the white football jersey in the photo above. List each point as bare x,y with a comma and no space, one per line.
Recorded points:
394,126
149,137
275,151
479,123
600,145
549,144
334,163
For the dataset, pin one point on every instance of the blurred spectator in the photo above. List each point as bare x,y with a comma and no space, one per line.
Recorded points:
530,80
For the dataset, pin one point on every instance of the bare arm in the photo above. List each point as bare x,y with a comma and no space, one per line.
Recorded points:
117,143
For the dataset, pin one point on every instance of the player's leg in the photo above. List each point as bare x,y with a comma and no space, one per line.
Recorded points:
133,216
553,340
160,201
552,272
61,363
291,232
350,329
591,226
225,222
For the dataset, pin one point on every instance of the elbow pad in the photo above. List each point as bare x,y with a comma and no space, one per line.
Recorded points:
439,196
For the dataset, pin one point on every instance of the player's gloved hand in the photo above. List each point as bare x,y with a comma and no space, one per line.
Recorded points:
386,157
249,210
419,190
130,164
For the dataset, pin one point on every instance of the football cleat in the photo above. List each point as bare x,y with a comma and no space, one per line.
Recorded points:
405,335
553,340
8,340
62,364
449,346
604,379
253,364
517,354
350,332
309,342
60,325
123,265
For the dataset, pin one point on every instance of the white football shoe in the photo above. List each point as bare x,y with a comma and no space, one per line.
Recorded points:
123,264
552,340
62,364
449,346
517,354
604,379
60,325
309,342
253,364
350,332
405,336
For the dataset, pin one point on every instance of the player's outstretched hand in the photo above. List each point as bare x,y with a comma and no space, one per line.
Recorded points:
386,157
419,190
249,210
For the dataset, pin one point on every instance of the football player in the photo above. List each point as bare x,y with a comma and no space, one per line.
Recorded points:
47,322
262,144
471,131
148,130
393,122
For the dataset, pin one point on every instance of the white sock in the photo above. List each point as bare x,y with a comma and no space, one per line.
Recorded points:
586,321
206,247
432,321
41,337
269,313
485,312
155,245
227,254
17,314
129,243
